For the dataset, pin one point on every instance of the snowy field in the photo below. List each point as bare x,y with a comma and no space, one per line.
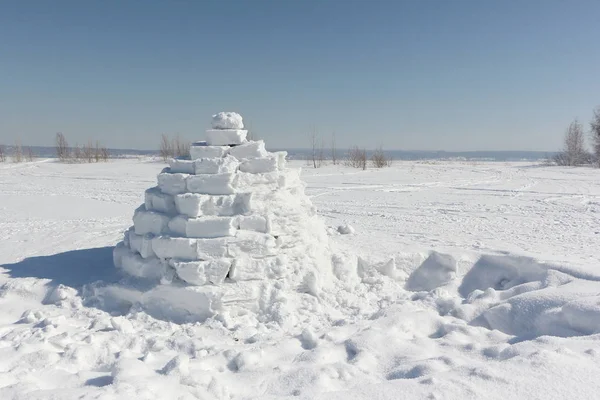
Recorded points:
518,318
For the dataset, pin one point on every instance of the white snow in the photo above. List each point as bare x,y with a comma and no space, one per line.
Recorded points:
172,183
195,205
519,316
223,165
225,137
253,149
217,184
198,151
182,166
227,120
259,165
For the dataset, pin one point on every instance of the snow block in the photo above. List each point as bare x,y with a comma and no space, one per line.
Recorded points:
281,159
202,272
254,149
249,268
172,183
146,222
227,120
259,165
218,184
225,137
195,205
155,200
290,178
437,270
252,244
198,151
140,244
204,228
133,264
254,223
181,166
173,247
177,225
166,247
222,165
120,250
212,248
210,227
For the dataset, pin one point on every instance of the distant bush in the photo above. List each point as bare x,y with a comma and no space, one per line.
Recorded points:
574,152
380,159
17,155
86,153
173,148
357,158
2,153
595,133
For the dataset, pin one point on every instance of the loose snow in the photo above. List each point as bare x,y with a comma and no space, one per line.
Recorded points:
461,280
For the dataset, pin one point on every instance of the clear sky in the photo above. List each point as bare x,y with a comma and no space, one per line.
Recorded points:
430,75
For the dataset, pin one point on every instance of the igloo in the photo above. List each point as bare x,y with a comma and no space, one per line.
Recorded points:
231,216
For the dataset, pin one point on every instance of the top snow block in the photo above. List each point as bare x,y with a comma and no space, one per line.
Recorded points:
227,120
225,137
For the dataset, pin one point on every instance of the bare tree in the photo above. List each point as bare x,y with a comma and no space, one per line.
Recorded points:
62,147
380,159
2,152
166,150
574,152
595,131
18,152
77,153
104,154
97,155
357,158
321,154
29,154
333,149
87,152
181,149
313,147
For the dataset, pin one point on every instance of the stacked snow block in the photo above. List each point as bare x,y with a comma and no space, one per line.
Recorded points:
213,216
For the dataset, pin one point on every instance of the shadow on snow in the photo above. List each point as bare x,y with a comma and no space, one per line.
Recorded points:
74,268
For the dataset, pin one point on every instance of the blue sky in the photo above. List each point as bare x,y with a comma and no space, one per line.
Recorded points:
430,75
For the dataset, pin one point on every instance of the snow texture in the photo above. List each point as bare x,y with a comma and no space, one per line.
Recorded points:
519,317
225,137
200,151
227,120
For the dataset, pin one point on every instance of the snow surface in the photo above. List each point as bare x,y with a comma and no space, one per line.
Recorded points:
227,120
461,281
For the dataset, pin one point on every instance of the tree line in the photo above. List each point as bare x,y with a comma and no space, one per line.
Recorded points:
575,151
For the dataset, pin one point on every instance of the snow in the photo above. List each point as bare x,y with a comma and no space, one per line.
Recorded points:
217,184
225,137
253,149
518,316
259,165
198,151
227,164
227,120
195,205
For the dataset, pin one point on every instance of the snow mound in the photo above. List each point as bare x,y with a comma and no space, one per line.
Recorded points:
227,120
437,270
522,297
346,229
500,273
225,230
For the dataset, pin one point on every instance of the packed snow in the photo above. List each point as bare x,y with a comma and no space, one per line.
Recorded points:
459,280
227,120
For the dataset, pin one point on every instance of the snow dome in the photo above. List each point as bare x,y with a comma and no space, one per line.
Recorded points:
228,223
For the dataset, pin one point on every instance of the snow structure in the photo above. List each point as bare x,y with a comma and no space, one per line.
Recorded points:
229,225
